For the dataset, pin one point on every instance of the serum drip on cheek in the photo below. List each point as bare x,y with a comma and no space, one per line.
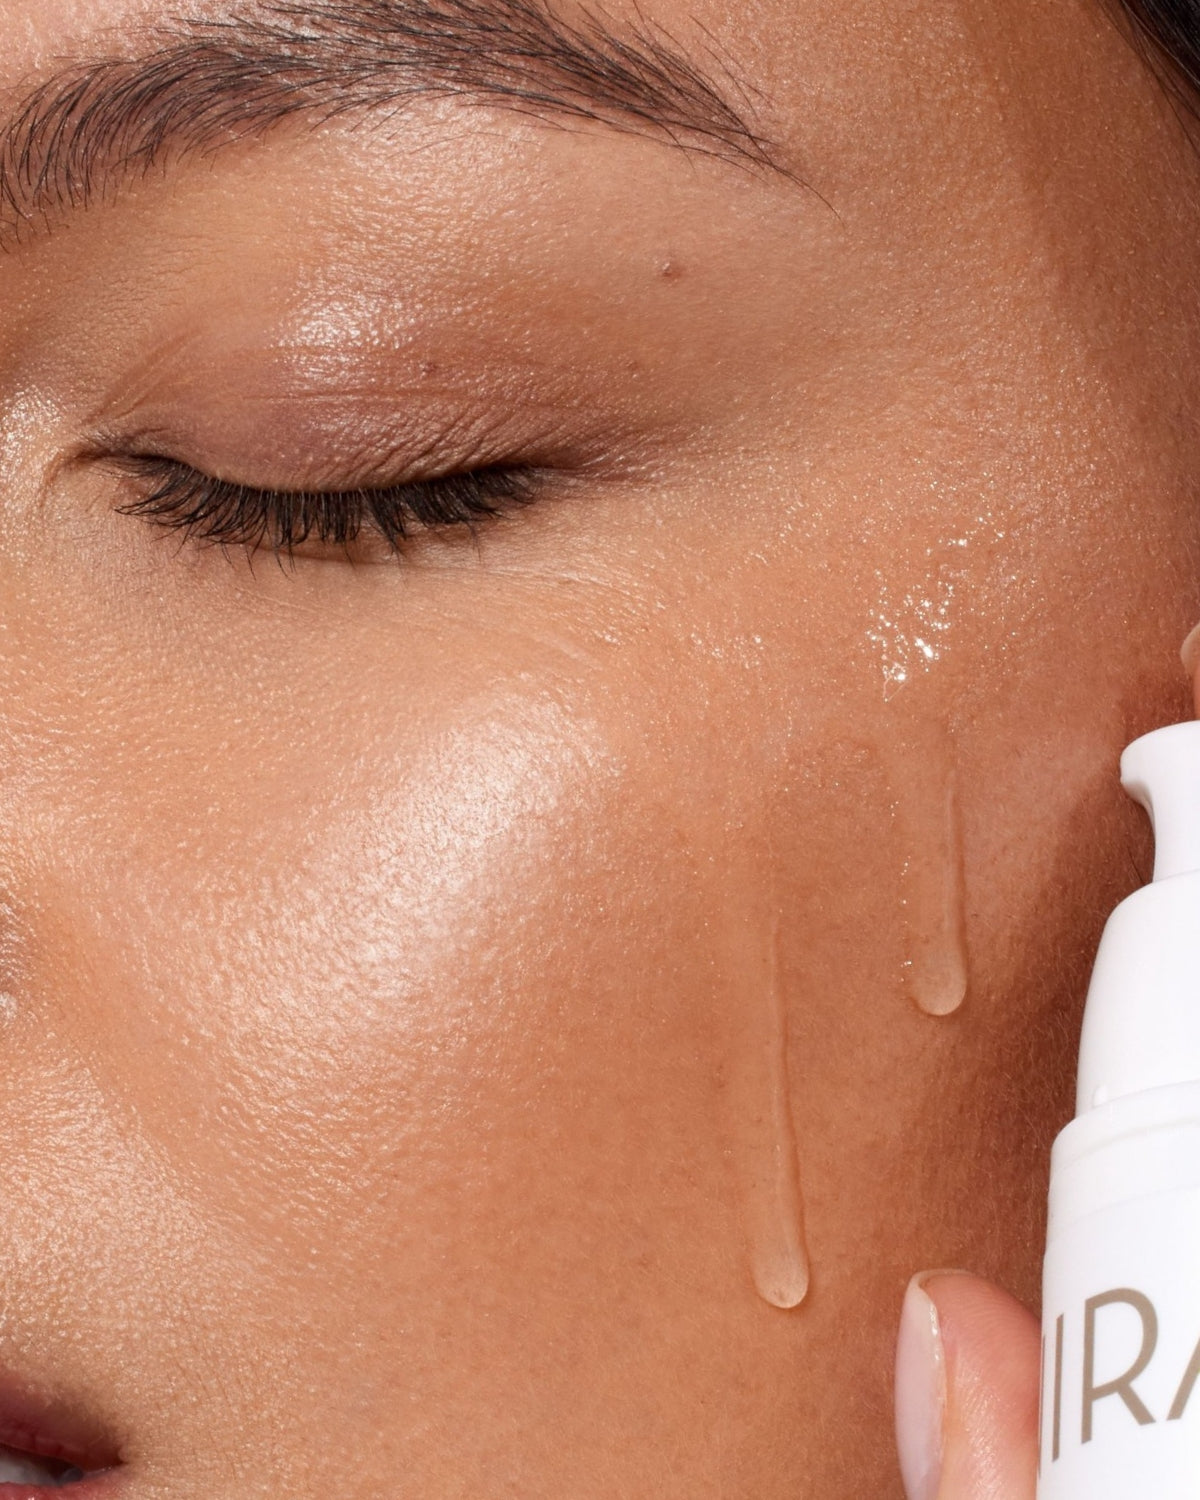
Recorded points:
763,1143
916,768
927,820
745,920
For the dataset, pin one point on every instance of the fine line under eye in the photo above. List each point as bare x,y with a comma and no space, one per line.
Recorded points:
224,512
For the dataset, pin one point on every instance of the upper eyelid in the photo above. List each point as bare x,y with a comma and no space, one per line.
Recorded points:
383,459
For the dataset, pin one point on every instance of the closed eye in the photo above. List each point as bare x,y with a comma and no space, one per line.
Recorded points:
224,512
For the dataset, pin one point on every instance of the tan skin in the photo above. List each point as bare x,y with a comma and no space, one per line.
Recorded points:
382,939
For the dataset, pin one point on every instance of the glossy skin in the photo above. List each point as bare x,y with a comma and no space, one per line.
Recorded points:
376,937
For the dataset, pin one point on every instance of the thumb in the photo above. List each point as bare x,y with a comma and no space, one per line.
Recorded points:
967,1372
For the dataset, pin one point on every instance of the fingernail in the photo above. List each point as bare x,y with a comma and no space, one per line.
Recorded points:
1191,651
920,1392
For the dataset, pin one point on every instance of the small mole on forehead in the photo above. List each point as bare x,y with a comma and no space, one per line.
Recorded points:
670,270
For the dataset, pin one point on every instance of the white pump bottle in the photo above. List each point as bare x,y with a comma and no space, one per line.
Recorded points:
1120,1416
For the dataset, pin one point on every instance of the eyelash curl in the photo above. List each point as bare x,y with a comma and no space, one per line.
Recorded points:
225,513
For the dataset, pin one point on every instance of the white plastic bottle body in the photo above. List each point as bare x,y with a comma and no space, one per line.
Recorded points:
1120,1408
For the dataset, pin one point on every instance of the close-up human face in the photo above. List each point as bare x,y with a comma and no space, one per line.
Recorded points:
571,584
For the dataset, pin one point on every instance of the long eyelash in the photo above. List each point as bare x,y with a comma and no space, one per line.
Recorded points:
219,511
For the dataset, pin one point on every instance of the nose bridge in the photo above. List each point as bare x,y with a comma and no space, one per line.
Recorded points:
35,644
61,891
49,755
27,724
27,789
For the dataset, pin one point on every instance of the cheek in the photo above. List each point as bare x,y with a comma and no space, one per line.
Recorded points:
366,977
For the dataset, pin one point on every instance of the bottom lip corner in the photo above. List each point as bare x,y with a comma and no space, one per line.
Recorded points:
98,1484
50,1443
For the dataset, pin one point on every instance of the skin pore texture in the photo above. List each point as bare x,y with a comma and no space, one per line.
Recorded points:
450,1000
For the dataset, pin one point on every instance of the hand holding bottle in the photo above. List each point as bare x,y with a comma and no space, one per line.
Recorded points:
1120,1347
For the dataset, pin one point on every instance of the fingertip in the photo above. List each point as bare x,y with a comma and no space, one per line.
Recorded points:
920,1389
991,1347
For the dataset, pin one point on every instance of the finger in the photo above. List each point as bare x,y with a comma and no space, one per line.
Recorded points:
967,1370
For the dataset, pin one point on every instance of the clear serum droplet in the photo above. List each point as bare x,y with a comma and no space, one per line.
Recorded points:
764,1147
781,1269
929,825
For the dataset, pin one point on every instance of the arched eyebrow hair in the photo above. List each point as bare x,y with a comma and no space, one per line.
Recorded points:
203,84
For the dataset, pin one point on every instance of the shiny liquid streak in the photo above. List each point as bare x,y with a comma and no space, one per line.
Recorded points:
920,769
763,1132
928,824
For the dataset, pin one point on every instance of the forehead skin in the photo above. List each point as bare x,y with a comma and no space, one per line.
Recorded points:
427,984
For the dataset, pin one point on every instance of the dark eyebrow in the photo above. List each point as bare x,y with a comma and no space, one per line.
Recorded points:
203,84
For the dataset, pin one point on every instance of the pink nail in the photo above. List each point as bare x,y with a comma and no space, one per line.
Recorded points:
920,1393
1191,651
